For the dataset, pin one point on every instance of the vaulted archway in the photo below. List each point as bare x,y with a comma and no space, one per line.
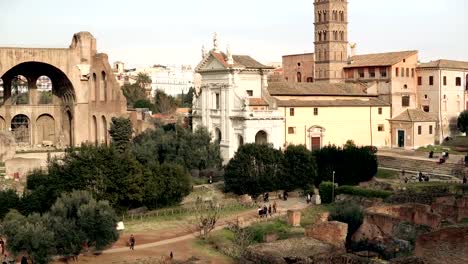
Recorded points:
261,137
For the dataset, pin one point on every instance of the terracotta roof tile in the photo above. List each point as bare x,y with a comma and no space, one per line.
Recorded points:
257,102
379,59
415,115
332,103
447,64
283,88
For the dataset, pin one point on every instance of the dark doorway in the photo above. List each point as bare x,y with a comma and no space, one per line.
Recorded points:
401,138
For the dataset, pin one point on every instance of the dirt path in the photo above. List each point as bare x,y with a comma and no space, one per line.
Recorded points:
150,239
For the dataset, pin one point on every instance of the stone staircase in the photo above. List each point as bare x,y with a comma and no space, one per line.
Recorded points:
444,171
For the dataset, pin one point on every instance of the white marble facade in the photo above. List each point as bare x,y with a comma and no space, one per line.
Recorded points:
229,102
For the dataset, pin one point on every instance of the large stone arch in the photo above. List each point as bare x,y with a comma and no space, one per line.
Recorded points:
62,87
45,130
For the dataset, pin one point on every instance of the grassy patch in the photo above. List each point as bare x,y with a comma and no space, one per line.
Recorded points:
444,148
171,221
277,226
425,187
387,174
312,214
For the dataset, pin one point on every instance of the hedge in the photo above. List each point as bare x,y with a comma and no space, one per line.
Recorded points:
325,190
359,191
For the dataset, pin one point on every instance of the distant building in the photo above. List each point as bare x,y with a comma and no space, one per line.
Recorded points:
299,67
173,80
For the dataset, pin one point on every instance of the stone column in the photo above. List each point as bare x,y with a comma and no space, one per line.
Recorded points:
294,218
32,90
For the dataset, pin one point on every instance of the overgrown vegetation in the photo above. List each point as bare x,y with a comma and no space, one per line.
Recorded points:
349,213
75,222
151,171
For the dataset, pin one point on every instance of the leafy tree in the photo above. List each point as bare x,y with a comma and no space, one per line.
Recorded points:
78,219
178,145
176,183
102,170
299,167
462,122
121,133
187,99
9,200
133,93
164,103
143,103
351,165
28,234
254,169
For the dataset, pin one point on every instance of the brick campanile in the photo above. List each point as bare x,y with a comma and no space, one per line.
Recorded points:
331,40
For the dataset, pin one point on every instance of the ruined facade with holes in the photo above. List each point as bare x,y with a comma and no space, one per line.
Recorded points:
58,97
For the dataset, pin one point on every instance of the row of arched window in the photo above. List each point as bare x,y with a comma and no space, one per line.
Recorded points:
19,90
336,16
330,35
99,88
325,55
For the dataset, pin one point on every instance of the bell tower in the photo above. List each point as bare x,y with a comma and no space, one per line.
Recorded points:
331,40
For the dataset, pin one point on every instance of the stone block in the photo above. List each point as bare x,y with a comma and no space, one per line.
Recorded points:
333,233
316,199
448,245
294,218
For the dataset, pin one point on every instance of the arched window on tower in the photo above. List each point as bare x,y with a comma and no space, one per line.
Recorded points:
325,16
324,36
342,16
320,36
342,36
319,17
299,77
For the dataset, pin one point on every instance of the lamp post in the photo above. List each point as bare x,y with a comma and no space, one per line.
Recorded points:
333,187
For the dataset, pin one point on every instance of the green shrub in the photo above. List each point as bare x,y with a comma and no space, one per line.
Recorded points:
349,213
325,190
358,191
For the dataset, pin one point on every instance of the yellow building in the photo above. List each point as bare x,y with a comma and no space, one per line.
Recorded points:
320,114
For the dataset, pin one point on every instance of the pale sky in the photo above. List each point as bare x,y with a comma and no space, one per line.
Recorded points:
147,32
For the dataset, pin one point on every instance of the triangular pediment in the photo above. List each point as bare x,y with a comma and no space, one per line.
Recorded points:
210,63
213,64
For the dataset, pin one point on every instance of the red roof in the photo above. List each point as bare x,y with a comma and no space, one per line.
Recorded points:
257,102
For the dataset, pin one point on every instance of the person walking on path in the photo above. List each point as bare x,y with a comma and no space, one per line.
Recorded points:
269,209
132,242
274,207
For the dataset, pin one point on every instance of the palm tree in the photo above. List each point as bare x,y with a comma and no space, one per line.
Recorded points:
143,80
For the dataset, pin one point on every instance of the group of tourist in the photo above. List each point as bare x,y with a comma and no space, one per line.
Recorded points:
265,211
